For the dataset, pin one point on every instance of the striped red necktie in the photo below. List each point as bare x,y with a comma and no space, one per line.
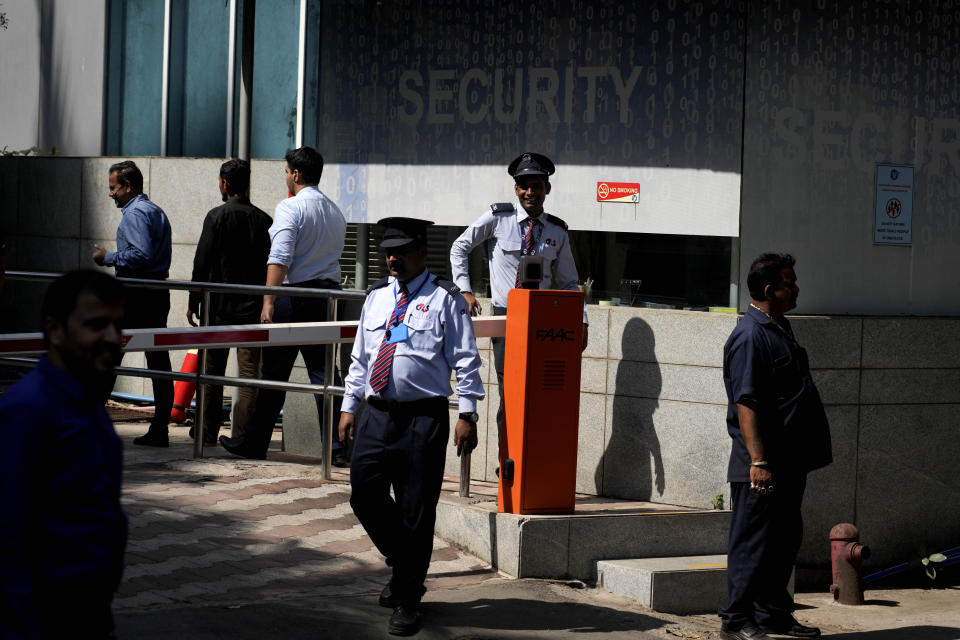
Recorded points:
527,246
384,362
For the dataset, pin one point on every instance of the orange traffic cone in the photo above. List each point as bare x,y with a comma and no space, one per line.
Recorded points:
182,390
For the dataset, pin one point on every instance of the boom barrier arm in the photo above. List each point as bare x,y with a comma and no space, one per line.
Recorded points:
224,336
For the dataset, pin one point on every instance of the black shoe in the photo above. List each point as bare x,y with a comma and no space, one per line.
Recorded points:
405,621
340,460
153,438
746,632
239,447
791,628
390,600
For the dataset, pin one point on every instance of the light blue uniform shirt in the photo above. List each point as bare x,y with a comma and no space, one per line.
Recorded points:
507,228
307,237
440,339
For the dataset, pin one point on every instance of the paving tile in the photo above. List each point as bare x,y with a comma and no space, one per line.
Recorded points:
196,536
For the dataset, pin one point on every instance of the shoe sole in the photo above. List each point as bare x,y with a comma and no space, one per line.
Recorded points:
398,630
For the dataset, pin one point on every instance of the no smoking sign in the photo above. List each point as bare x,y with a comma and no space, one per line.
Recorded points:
618,191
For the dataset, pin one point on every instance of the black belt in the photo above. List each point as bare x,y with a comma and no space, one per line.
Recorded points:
424,405
316,283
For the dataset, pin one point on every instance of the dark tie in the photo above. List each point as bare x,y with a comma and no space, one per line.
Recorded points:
527,244
384,362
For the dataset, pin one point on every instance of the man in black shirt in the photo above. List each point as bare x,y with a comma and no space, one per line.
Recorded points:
233,248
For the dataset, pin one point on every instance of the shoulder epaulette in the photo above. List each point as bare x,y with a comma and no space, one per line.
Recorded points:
557,221
502,207
447,286
379,284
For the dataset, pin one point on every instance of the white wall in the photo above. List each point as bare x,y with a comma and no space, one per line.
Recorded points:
51,75
72,76
20,74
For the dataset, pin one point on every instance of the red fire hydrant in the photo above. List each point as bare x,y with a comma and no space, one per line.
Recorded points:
847,554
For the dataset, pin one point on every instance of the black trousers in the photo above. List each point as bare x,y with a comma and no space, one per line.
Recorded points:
403,448
276,363
765,536
146,309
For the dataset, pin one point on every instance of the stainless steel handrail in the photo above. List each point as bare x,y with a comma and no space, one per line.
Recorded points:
214,287
205,289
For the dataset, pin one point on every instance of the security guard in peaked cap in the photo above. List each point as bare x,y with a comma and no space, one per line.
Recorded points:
519,228
399,231
531,164
414,330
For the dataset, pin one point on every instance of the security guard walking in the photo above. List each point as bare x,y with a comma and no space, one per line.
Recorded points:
414,329
517,231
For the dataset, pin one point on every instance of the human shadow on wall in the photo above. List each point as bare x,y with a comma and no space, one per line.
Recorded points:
624,470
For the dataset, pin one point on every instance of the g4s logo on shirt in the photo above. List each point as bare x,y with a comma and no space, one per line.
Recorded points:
550,242
423,307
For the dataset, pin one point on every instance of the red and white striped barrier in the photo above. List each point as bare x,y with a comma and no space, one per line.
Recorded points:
245,335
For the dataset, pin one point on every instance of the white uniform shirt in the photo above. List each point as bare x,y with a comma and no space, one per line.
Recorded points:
307,237
507,227
440,339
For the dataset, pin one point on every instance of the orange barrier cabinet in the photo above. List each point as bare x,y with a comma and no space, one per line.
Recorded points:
541,382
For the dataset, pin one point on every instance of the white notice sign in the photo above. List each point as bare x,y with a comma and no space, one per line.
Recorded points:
893,205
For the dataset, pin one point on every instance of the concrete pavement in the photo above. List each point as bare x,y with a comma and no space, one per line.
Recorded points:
230,548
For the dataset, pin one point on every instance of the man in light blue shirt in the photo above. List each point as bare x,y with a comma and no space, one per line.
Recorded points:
306,240
143,251
414,330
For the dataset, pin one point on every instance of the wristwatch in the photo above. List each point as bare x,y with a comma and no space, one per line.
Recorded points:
471,417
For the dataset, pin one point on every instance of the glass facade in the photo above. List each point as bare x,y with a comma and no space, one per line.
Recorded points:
198,83
199,33
134,78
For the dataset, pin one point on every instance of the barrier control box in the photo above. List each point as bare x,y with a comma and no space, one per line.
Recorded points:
541,386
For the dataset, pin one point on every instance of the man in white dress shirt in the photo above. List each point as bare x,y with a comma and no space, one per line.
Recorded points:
306,240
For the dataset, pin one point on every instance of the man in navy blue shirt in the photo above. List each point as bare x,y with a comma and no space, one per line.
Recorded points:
62,529
780,433
143,251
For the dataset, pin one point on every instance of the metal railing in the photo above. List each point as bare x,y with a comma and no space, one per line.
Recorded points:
201,378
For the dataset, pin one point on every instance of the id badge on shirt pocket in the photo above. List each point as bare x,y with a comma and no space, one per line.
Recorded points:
397,333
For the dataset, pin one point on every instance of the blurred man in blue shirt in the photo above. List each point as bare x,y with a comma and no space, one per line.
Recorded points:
143,251
62,529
